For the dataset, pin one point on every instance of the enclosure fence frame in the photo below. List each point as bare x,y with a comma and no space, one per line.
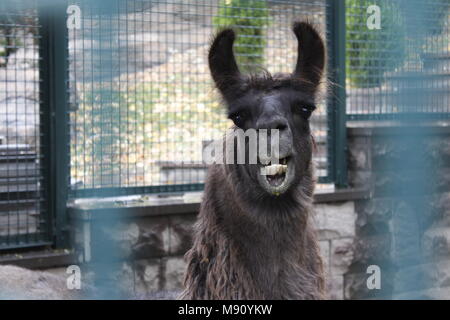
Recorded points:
336,109
53,70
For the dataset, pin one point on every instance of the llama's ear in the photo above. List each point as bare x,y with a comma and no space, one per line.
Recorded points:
311,54
222,63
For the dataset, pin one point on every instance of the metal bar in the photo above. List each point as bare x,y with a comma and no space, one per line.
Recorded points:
61,120
45,112
398,116
120,191
337,100
26,245
54,104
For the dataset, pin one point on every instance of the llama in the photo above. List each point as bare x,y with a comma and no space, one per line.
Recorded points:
254,238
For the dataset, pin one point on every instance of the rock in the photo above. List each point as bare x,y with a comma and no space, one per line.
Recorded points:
341,256
438,274
336,220
355,285
436,243
20,283
358,155
137,239
181,232
373,216
151,277
335,288
174,276
325,253
373,249
160,295
359,178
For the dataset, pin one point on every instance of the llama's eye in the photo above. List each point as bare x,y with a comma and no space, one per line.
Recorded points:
239,118
305,111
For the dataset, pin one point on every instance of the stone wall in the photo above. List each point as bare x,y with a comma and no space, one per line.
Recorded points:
336,228
404,232
150,249
380,226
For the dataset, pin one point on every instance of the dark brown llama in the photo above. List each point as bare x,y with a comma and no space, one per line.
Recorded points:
254,238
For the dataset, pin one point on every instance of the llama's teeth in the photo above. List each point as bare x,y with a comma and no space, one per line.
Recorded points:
273,169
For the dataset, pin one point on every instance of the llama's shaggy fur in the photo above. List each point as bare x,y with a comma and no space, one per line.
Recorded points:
249,243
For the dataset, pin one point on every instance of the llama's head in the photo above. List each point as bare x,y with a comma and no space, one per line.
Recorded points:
283,101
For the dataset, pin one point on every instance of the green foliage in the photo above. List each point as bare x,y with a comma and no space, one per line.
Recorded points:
9,43
248,18
15,22
371,53
2,48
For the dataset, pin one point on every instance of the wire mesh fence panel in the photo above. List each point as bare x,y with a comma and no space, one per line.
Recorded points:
23,213
388,61
142,102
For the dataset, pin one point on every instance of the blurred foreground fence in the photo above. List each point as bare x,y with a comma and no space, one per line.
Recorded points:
105,98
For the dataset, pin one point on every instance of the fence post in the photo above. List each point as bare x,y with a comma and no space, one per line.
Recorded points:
337,147
55,118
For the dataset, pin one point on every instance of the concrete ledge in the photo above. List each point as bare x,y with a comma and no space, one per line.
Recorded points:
144,206
39,259
392,128
349,194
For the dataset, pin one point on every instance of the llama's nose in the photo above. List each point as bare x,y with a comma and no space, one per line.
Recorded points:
276,123
282,147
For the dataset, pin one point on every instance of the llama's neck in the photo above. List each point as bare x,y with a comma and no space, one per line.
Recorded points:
265,229
265,222
269,242
248,252
267,252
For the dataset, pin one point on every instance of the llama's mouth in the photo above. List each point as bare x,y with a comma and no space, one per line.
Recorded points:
276,178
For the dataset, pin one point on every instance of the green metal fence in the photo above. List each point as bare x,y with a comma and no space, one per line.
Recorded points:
388,64
24,211
142,103
114,97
